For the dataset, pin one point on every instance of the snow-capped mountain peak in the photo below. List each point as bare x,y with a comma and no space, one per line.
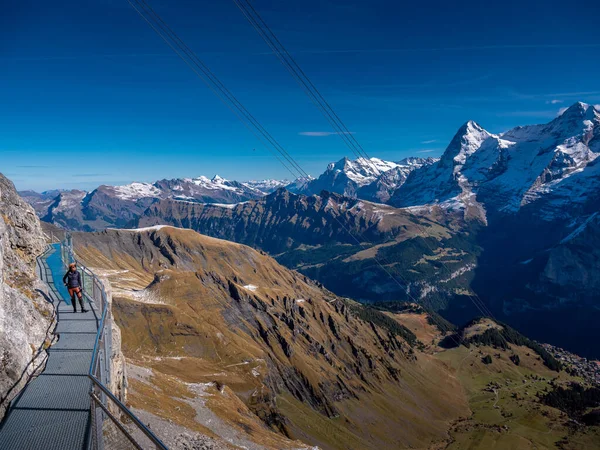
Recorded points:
201,180
508,171
468,139
361,170
371,179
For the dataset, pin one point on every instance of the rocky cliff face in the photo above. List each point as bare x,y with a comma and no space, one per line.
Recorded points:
118,374
26,317
283,221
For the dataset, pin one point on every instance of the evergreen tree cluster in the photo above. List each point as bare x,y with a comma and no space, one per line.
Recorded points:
380,319
574,399
503,338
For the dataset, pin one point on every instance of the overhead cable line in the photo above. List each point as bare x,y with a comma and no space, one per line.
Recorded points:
300,76
267,34
218,88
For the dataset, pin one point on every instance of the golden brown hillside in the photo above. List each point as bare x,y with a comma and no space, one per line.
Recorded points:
223,340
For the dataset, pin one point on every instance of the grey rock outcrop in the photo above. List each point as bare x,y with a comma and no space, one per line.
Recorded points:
118,373
27,319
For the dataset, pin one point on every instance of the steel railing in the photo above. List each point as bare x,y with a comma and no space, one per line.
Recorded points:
114,425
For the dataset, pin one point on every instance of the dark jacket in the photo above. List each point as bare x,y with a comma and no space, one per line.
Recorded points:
73,279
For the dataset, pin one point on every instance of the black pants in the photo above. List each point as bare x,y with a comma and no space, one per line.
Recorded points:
76,291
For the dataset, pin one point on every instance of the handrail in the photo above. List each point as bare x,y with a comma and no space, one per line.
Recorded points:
102,348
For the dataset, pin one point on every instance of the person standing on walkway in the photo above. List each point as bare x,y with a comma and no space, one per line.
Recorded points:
72,281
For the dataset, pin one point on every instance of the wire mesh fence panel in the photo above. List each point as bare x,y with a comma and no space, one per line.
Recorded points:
107,432
114,428
87,281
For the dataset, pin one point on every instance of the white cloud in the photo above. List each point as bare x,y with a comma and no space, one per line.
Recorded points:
426,151
322,133
561,111
553,102
429,142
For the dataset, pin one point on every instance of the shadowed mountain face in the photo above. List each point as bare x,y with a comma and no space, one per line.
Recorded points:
351,246
537,189
194,309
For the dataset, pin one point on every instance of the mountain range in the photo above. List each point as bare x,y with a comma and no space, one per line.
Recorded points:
225,347
509,217
369,179
115,206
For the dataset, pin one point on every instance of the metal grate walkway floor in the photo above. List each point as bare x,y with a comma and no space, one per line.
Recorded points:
53,411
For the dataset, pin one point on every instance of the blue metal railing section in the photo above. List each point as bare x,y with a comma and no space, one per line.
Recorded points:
100,366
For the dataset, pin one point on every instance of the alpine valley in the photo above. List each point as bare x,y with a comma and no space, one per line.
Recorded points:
503,223
314,314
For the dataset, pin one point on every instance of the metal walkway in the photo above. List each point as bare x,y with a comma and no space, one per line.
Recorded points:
53,411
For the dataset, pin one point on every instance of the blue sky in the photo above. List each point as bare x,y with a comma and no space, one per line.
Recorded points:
90,95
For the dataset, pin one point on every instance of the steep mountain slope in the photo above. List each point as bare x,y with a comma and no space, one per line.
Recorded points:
26,317
351,246
272,345
41,202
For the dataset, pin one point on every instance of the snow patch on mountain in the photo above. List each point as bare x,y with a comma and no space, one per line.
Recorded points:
144,229
362,170
226,205
136,191
215,183
266,186
69,200
580,228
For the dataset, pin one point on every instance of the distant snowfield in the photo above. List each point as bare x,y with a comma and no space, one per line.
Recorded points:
136,191
251,287
191,188
189,200
215,183
579,229
139,230
225,205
